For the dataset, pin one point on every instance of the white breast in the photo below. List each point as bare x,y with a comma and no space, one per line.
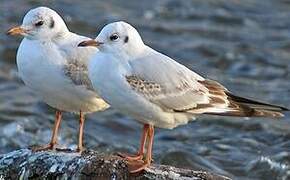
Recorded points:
40,66
108,77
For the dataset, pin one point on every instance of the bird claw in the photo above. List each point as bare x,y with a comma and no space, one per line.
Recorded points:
127,157
42,147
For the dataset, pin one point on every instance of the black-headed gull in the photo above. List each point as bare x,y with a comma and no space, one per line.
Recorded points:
50,63
155,89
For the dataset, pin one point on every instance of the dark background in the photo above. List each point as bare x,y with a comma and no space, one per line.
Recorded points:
243,44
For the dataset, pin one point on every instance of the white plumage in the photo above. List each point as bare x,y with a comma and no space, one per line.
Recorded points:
155,89
50,63
42,64
177,93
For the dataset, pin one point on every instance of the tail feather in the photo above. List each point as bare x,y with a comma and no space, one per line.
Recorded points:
248,107
255,104
224,103
266,113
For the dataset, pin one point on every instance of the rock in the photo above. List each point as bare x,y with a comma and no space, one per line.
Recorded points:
25,164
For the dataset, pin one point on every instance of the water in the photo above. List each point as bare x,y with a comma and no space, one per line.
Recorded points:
243,44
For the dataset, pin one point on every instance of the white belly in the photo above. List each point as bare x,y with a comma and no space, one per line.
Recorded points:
49,82
110,84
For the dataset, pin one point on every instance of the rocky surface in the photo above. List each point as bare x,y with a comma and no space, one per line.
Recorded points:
25,164
245,45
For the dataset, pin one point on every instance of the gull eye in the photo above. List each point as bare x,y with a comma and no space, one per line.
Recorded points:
39,23
114,37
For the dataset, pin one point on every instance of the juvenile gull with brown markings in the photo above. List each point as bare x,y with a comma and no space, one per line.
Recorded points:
156,90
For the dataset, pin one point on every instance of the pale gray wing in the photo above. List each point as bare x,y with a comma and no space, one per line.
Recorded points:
77,72
171,85
76,68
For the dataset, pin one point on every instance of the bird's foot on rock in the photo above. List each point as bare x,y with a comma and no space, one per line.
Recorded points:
137,166
51,147
45,147
80,150
68,150
131,157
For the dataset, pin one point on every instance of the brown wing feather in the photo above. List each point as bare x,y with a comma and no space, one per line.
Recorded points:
219,100
239,106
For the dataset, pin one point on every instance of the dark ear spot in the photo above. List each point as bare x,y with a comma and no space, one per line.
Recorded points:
126,39
51,25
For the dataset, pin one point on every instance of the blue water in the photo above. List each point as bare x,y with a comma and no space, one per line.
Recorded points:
245,45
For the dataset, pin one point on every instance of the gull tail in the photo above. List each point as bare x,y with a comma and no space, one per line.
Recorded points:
247,107
227,104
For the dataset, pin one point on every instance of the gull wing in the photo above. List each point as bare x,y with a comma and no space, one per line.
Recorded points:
76,68
173,87
77,72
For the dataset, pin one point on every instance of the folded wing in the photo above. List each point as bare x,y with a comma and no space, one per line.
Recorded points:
175,88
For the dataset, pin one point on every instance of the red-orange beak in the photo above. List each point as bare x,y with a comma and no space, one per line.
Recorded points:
92,42
18,30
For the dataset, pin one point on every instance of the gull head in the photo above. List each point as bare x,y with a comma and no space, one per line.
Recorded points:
40,23
117,37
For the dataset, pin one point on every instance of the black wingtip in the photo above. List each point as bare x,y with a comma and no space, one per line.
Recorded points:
82,44
284,109
249,101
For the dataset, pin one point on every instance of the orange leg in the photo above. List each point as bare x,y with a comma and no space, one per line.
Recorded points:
140,153
53,141
135,166
81,132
